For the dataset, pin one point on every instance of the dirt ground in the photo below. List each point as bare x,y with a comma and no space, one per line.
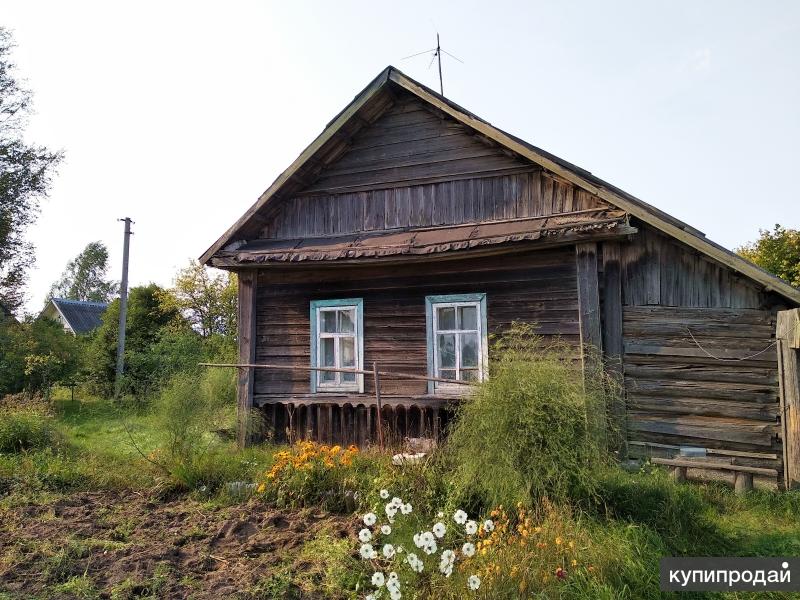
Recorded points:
130,546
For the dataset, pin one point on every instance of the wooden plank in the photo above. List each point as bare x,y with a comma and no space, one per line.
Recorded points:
612,334
588,295
789,379
728,430
726,353
674,462
247,348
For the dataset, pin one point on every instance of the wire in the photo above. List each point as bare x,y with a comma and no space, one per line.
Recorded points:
729,359
419,54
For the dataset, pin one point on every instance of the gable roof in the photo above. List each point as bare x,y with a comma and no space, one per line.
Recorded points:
373,99
80,316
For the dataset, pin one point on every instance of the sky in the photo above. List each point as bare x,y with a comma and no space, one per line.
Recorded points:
180,114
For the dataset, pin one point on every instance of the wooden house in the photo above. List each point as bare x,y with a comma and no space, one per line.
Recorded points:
76,316
410,229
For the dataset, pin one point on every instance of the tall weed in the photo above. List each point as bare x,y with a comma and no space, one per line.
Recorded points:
534,429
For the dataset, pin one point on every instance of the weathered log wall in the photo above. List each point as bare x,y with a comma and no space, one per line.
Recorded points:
700,366
536,287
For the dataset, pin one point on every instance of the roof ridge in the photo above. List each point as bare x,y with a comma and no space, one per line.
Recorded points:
71,301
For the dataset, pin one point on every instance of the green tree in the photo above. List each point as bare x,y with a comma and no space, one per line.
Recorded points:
25,175
153,322
86,277
777,251
36,354
207,299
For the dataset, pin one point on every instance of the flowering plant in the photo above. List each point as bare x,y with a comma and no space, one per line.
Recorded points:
307,473
402,548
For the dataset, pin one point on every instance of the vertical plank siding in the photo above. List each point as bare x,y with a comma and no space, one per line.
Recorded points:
478,199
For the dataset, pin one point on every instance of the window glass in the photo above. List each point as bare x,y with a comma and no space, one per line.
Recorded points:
337,346
458,339
447,318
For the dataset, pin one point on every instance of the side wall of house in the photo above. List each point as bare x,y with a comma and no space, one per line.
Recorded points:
534,287
700,367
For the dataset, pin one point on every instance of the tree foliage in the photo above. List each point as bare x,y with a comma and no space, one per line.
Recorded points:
777,251
207,299
36,354
86,276
25,174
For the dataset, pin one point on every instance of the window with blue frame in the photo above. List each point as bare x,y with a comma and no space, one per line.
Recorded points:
337,341
457,339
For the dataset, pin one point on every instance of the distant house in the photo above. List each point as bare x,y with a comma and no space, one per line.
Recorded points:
77,316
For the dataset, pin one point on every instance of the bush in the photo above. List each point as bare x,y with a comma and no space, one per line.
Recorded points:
25,429
532,429
188,411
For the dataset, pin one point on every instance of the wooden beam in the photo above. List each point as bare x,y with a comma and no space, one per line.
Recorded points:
612,337
589,322
588,296
247,353
789,379
691,464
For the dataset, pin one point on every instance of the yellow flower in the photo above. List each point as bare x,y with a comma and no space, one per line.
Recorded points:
261,488
574,563
558,541
571,544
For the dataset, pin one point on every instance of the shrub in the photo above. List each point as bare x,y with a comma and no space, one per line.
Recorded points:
25,429
188,410
532,430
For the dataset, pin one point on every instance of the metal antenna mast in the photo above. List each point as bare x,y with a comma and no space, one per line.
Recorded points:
123,306
437,55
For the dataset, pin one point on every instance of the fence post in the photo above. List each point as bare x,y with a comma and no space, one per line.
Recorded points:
378,403
787,335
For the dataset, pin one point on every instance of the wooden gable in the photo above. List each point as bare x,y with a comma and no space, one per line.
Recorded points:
415,168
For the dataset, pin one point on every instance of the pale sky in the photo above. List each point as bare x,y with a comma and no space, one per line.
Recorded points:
179,114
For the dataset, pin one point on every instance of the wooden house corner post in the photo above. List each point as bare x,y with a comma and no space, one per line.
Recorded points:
612,340
788,337
589,318
247,354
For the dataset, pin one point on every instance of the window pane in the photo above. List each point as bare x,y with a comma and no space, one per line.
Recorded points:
327,355
447,350
446,317
327,359
468,317
468,374
347,347
446,374
347,321
327,321
469,350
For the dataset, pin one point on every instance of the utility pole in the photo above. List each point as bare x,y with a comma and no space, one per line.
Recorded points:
123,307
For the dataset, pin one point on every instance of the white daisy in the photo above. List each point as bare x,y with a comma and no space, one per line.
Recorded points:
488,525
366,551
369,519
395,594
384,494
391,511
405,509
468,549
386,530
439,530
471,527
460,517
378,579
388,550
474,582
396,502
365,535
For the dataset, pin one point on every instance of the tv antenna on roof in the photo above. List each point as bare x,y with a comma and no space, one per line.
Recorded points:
437,55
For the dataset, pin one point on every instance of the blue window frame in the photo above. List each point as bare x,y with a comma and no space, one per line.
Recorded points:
457,339
337,340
